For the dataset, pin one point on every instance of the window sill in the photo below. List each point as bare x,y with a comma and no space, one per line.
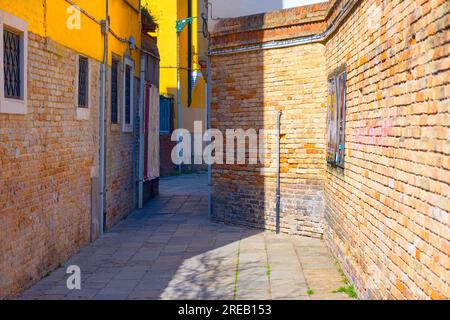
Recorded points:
13,106
83,114
115,127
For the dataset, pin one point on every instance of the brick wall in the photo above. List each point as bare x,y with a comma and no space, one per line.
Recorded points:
46,158
387,212
49,169
385,215
121,151
249,89
166,146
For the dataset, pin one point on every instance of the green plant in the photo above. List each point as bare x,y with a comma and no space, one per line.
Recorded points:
148,18
310,292
349,290
344,278
236,274
268,270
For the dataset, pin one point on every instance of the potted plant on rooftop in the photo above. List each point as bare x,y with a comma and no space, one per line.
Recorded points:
149,23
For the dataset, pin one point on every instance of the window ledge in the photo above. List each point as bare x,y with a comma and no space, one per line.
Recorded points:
13,106
8,105
115,127
83,114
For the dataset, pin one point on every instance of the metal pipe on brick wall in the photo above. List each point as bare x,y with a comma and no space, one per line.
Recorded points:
104,67
208,127
208,116
278,195
141,132
178,96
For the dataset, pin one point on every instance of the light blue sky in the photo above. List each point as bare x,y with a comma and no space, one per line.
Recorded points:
237,8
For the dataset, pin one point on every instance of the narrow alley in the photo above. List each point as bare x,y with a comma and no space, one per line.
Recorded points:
170,250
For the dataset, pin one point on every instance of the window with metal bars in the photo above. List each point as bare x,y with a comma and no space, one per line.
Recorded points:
11,64
114,91
128,79
165,115
337,92
83,82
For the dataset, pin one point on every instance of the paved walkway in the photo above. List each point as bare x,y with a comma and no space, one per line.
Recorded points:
170,250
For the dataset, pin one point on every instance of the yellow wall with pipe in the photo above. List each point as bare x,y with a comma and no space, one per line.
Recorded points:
48,18
166,14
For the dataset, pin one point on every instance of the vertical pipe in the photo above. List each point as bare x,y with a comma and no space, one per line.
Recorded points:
208,127
189,55
141,132
102,147
278,174
208,115
102,139
178,93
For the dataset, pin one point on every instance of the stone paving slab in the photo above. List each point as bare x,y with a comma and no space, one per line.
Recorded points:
170,250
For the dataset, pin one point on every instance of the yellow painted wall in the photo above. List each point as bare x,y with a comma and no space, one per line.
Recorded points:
48,18
166,14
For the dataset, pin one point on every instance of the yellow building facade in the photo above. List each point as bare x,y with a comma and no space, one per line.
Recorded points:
192,51
70,141
57,20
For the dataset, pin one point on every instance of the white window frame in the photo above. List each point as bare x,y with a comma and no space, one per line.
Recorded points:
83,113
13,23
128,127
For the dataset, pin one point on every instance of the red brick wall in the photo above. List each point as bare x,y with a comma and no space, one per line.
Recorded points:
387,212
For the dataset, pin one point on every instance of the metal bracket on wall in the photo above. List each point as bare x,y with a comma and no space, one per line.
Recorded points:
182,23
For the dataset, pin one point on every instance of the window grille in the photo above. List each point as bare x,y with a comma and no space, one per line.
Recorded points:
165,115
11,64
114,91
128,95
83,76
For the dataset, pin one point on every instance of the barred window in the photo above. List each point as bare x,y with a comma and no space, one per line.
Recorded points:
165,114
128,95
336,118
114,91
11,64
14,69
128,80
83,82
